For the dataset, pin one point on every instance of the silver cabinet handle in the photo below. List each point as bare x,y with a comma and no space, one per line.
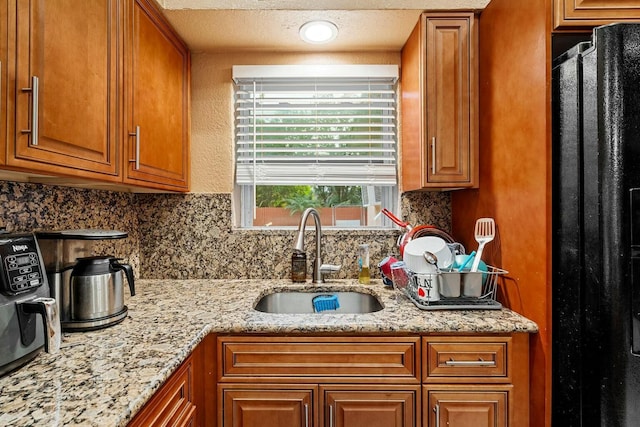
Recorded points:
34,89
330,415
136,160
479,362
433,155
306,415
436,409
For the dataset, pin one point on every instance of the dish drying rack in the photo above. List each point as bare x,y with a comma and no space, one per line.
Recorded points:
486,300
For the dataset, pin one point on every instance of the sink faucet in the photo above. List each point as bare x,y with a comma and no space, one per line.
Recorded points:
318,268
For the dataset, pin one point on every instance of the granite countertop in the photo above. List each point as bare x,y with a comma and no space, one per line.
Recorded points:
102,378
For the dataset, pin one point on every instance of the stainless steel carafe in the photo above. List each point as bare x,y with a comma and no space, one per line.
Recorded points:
96,295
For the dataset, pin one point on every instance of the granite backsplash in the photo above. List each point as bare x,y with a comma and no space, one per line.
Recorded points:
190,236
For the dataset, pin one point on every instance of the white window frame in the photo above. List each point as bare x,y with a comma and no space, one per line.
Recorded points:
375,160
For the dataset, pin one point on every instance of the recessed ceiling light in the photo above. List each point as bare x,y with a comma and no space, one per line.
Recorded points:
318,32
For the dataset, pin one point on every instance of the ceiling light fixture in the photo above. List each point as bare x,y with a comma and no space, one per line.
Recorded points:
318,32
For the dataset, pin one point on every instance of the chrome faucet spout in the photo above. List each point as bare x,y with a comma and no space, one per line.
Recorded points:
299,241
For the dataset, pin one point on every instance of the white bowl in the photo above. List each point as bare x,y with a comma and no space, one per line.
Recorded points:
414,250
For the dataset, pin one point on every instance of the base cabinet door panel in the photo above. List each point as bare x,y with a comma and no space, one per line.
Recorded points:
174,403
369,406
466,408
284,406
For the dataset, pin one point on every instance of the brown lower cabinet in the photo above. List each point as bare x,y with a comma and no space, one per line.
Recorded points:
290,405
348,381
462,407
187,397
369,406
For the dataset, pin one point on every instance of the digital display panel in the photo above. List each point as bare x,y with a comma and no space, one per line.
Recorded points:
23,260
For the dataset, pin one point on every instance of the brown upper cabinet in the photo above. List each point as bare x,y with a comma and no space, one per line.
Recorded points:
157,66
82,77
586,14
65,88
440,103
3,80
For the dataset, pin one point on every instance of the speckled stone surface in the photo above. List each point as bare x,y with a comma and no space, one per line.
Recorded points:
29,207
192,237
102,378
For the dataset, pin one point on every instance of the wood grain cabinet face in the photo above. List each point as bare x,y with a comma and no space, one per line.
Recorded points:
64,94
370,406
365,381
94,90
279,406
157,67
4,76
587,14
476,380
335,359
439,103
351,381
466,408
173,404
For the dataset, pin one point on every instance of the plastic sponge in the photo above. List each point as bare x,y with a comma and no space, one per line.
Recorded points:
325,302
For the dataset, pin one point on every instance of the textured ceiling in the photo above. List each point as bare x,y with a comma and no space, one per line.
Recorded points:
272,25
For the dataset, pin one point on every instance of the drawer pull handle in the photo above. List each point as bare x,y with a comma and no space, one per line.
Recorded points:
436,409
479,362
306,415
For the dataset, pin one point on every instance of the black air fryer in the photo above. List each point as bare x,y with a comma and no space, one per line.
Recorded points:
29,319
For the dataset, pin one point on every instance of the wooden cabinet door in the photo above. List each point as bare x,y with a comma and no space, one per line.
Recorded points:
466,408
284,406
370,406
439,103
4,22
587,14
157,84
449,99
173,403
64,95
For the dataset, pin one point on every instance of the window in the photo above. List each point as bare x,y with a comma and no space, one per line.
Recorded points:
321,136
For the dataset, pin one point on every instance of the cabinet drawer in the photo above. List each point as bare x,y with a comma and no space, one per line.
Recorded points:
173,403
466,359
313,359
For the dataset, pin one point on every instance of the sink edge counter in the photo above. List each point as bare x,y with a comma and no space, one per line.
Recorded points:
103,377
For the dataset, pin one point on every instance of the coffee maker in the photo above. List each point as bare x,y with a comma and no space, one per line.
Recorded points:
88,287
29,317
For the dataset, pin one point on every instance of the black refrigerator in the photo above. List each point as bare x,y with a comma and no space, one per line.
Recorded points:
596,231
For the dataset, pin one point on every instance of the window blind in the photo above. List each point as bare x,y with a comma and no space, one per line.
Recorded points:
316,125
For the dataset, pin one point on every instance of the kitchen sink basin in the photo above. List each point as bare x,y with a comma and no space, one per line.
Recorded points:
297,302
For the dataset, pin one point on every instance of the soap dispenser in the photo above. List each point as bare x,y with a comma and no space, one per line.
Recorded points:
298,266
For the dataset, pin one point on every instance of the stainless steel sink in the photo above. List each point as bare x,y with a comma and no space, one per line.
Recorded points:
296,302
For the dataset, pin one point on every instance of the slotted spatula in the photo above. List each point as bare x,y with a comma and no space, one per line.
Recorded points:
484,233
